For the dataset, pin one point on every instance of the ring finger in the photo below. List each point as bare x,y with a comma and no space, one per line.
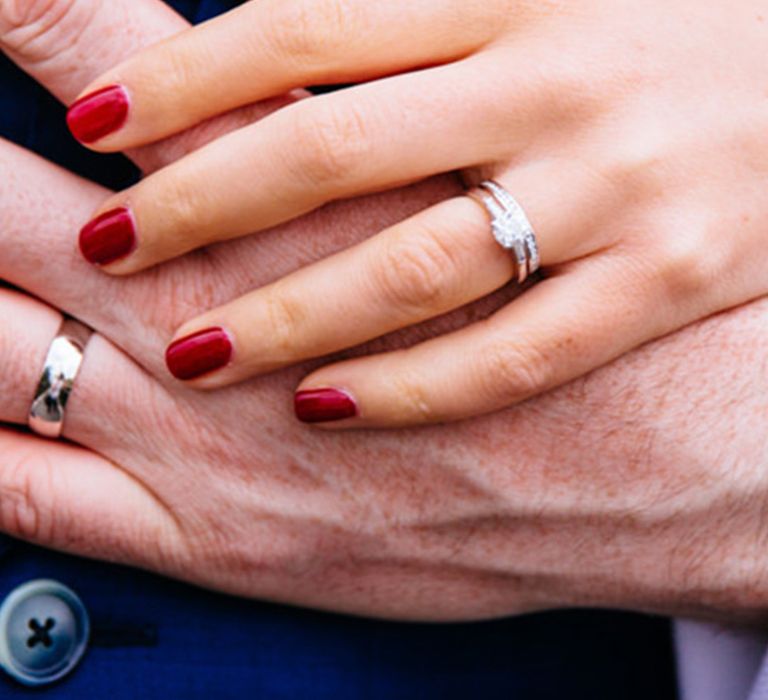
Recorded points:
103,386
436,261
58,494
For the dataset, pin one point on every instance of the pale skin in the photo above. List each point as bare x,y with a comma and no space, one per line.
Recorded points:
642,486
632,133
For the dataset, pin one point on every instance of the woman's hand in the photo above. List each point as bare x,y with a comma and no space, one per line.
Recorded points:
609,492
633,134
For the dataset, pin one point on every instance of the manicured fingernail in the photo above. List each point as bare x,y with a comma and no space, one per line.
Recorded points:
108,237
323,405
199,354
99,114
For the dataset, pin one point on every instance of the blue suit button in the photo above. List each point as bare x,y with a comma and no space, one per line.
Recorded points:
44,630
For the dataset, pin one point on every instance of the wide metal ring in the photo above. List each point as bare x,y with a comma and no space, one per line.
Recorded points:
62,364
510,226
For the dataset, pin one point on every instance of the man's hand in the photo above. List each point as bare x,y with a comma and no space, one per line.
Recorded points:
640,486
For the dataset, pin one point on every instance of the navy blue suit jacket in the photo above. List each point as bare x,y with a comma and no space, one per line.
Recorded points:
154,638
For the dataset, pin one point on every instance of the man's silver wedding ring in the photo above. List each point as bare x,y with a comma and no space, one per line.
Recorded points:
62,364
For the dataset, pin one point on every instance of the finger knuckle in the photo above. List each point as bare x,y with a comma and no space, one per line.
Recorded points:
684,265
414,403
286,319
512,373
416,271
17,14
39,29
181,205
26,480
334,143
641,164
183,68
305,32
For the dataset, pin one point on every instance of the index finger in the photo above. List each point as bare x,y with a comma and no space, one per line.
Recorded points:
263,49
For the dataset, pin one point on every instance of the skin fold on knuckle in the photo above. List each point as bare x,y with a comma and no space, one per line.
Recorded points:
508,373
26,483
183,70
169,215
42,29
415,272
413,403
286,320
305,34
334,142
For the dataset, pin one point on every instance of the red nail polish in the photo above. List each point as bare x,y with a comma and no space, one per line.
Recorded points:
99,114
323,405
108,237
199,353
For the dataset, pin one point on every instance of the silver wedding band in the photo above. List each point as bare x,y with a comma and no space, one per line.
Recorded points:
510,226
62,364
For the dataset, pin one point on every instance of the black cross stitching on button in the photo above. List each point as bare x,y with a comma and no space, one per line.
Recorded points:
42,633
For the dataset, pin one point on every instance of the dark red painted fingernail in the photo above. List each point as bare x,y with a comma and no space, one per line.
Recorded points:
108,237
199,353
99,114
323,405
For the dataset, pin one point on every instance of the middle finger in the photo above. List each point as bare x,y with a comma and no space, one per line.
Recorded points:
369,138
265,48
